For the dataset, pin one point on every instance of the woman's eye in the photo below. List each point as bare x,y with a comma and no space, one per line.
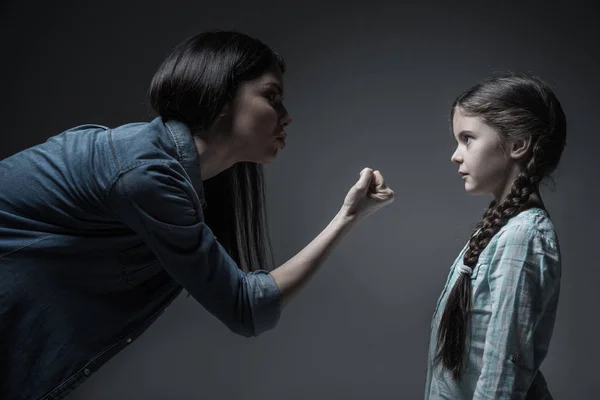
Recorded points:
274,97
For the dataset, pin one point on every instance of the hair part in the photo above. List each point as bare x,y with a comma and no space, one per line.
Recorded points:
518,107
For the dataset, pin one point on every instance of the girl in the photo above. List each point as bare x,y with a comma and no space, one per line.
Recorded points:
100,229
493,322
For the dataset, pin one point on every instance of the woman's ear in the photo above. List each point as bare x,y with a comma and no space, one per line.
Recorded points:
223,122
224,111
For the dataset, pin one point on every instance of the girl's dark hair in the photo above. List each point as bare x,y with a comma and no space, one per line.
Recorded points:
193,84
517,106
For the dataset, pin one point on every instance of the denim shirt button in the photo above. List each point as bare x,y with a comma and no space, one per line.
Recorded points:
128,340
86,371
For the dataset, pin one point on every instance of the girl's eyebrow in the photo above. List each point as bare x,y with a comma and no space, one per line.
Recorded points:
463,133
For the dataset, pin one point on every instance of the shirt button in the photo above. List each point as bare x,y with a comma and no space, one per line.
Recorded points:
128,340
86,371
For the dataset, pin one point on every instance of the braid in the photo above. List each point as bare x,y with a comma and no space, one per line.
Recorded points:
452,332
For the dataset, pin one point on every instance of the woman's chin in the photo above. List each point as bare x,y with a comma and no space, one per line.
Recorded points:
268,158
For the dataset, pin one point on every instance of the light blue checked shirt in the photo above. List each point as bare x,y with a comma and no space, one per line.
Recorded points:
515,291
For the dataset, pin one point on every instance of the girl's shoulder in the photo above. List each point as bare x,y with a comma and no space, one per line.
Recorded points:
530,230
533,221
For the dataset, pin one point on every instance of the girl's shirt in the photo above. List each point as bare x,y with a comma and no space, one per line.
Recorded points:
515,291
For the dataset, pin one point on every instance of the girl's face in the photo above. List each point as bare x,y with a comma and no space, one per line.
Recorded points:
256,118
484,164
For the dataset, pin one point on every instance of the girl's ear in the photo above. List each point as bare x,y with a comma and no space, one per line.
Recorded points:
519,148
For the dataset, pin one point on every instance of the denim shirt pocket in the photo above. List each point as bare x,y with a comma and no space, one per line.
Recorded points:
138,265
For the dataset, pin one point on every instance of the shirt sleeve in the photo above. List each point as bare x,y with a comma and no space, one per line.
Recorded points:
524,274
157,201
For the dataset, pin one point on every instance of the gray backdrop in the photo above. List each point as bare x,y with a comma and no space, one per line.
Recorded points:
369,84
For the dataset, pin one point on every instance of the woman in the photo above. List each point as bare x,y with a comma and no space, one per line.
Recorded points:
101,228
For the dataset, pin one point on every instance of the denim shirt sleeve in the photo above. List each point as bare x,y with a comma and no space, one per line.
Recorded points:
523,277
157,201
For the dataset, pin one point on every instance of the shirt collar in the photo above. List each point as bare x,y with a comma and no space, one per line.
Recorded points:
187,154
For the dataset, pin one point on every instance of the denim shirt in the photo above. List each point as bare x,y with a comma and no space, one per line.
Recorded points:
100,229
515,290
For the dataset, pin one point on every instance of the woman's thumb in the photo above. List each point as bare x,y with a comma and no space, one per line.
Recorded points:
365,179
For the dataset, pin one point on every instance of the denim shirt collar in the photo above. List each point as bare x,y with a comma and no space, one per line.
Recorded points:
187,154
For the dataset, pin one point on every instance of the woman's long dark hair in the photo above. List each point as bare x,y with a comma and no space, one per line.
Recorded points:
518,107
193,85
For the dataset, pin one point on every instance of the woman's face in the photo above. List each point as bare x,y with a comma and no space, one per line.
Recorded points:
256,118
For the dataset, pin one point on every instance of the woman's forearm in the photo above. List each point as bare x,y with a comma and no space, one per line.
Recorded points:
297,271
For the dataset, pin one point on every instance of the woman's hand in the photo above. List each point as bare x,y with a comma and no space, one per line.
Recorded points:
369,194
